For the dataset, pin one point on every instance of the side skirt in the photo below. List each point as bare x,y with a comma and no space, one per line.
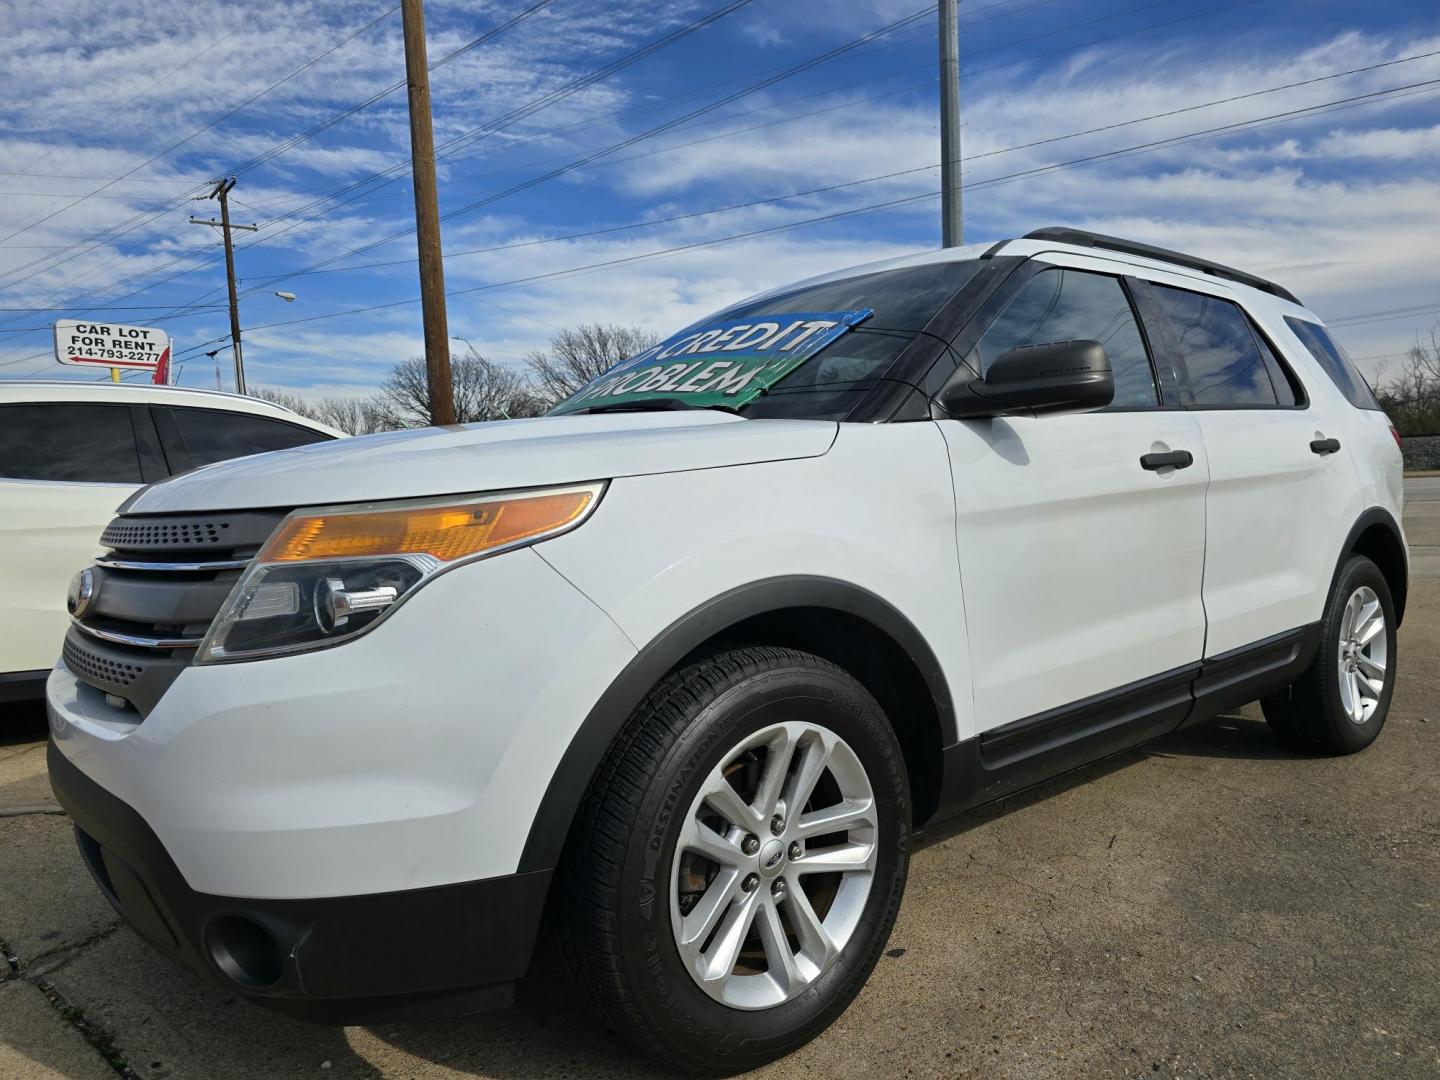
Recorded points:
1036,748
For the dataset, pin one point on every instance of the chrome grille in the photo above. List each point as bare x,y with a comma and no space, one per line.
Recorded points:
155,595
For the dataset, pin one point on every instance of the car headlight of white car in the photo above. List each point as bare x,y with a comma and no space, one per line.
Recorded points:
329,574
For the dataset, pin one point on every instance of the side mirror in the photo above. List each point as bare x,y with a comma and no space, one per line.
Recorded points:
1063,376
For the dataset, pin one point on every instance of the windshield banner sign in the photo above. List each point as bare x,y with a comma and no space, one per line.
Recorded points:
729,362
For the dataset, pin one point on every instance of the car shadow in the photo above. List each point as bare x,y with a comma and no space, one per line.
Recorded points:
549,1031
1233,735
21,722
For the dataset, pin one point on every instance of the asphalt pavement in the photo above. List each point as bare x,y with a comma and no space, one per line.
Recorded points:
1209,906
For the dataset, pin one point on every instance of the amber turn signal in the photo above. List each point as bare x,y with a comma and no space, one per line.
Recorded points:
443,531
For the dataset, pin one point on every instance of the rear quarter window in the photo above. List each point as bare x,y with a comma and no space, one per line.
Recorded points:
1334,361
210,435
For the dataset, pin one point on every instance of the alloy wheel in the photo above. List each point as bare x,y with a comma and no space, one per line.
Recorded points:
1363,652
775,861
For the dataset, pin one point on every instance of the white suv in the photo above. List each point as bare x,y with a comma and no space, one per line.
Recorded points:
685,663
70,453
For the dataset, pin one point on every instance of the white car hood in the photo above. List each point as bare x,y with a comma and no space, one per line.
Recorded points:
486,457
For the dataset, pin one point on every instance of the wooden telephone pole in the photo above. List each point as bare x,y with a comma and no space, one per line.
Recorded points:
427,217
952,228
221,191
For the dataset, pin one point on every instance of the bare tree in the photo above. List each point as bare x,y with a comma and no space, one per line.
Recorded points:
1411,397
484,390
352,415
296,403
581,355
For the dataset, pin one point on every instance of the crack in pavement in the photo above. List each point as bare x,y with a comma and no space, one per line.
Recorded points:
99,1037
63,954
26,811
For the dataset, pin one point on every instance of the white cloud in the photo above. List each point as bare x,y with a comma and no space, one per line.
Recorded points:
1396,144
1339,206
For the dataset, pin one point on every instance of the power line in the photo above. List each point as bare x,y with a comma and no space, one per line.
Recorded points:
888,204
77,176
910,171
1344,321
137,96
587,158
1010,63
391,172
73,249
606,70
295,140
267,282
203,128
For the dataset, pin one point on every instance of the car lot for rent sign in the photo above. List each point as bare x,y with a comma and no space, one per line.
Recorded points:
105,344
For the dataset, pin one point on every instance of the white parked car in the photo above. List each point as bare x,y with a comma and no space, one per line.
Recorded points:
691,658
70,454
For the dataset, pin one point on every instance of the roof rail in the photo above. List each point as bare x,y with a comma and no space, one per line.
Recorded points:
1081,238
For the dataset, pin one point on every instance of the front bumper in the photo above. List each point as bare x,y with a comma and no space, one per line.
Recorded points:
347,959
339,833
416,756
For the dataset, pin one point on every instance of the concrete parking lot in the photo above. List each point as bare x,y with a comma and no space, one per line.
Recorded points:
1210,906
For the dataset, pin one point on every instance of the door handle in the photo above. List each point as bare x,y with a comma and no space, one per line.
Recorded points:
1325,446
1174,459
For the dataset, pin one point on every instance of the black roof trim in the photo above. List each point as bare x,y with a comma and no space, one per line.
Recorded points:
1081,238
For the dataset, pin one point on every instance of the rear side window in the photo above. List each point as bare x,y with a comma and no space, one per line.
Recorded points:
1074,305
77,443
1226,361
210,435
1335,361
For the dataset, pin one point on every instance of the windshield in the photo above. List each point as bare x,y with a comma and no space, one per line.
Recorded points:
810,351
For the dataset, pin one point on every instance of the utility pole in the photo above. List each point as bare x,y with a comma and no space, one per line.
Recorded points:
952,229
221,192
427,217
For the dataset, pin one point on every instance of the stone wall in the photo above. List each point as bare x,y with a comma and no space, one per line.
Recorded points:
1421,452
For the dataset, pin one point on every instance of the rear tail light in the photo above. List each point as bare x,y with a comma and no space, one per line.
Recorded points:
1395,435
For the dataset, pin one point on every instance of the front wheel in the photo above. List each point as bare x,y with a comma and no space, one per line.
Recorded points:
1339,705
739,861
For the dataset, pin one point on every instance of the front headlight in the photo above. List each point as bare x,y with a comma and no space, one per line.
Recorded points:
329,574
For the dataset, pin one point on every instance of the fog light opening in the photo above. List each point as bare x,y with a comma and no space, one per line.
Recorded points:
245,952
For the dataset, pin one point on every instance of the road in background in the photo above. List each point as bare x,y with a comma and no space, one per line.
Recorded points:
1422,489
1422,525
1211,906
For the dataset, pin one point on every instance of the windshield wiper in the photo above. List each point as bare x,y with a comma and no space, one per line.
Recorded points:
663,404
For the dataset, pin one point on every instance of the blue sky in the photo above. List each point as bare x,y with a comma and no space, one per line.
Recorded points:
1341,202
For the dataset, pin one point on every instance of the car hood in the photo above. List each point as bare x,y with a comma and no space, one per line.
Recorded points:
494,456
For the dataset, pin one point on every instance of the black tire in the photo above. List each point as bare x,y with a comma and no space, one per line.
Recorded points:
613,887
1309,715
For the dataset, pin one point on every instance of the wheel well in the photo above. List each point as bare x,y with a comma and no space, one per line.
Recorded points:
879,663
1380,545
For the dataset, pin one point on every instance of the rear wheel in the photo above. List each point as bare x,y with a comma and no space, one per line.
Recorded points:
739,861
1339,705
